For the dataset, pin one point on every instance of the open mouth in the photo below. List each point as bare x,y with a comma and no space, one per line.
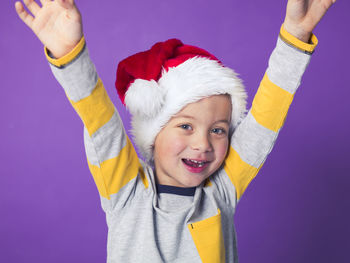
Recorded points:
195,163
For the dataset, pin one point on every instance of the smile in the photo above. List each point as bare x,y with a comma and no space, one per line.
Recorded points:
195,166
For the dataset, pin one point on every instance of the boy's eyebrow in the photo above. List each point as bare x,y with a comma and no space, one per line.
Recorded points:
184,116
225,121
193,118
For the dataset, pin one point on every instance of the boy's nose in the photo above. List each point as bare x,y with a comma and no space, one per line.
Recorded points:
201,142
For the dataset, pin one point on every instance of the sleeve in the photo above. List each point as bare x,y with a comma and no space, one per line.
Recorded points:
255,136
111,157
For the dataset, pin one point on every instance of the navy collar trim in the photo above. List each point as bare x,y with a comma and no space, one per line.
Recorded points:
169,189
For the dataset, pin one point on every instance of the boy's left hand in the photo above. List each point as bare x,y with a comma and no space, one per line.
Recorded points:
302,16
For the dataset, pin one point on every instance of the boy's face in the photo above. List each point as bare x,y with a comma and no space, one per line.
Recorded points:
194,143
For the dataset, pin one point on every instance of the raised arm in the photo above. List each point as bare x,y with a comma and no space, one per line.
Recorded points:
111,157
254,138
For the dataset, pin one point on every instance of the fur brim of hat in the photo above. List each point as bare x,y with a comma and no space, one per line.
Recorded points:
152,104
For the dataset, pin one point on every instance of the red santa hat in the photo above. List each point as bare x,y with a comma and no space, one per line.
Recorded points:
156,84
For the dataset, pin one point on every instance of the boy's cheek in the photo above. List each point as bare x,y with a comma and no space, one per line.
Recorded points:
170,145
222,151
175,145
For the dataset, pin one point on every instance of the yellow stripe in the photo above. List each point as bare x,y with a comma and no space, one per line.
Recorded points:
239,172
122,169
98,178
270,105
96,109
143,177
68,57
292,40
208,238
117,172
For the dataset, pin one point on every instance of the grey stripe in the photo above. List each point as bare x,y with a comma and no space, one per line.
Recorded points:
77,78
90,149
252,141
125,194
109,139
286,66
134,188
225,187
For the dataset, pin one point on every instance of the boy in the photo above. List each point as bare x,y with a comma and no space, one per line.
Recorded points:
201,149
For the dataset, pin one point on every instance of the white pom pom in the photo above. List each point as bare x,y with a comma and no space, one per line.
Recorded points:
144,98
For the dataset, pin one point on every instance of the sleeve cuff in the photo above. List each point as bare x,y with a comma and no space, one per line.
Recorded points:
68,57
307,48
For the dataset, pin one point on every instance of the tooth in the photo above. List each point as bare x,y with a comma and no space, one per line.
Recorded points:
194,161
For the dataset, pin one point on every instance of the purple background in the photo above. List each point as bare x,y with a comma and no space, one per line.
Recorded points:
296,210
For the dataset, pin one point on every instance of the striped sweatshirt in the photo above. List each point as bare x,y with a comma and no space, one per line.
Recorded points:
144,226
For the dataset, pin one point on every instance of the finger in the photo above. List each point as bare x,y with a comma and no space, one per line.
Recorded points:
67,4
333,2
44,1
32,6
327,4
23,14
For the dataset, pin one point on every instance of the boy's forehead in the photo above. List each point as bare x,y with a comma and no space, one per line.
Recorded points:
214,106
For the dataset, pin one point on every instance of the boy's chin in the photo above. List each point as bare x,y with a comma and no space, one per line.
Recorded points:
193,183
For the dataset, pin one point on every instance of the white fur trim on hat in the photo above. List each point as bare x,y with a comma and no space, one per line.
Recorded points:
144,98
153,104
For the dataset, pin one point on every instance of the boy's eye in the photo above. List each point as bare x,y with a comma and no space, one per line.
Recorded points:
218,131
185,126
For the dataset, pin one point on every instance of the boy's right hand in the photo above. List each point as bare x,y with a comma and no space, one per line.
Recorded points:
56,23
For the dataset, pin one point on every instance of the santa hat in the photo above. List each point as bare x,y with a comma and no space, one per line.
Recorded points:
156,84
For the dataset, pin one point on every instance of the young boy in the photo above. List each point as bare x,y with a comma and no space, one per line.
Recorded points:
189,121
